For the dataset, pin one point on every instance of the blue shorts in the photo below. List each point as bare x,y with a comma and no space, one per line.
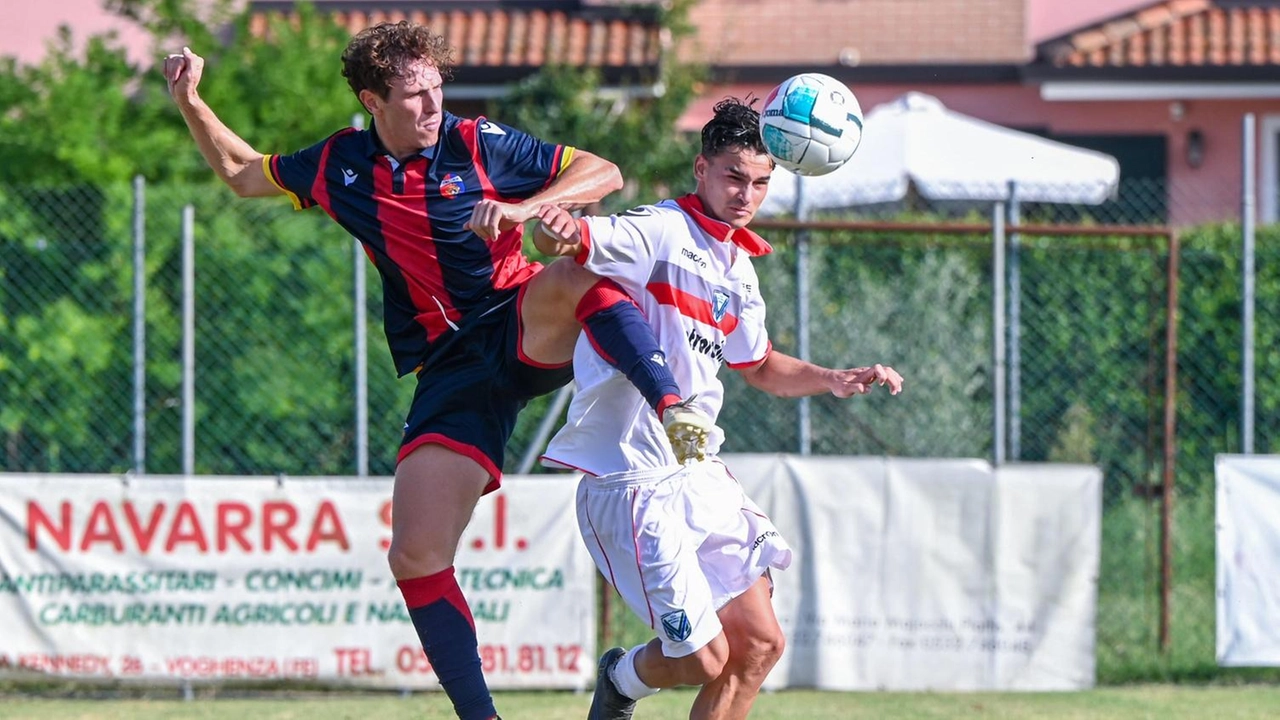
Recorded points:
470,391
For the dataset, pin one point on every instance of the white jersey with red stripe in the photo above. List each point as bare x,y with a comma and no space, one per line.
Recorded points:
693,278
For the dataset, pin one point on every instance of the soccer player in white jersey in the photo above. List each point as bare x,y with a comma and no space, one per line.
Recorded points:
687,550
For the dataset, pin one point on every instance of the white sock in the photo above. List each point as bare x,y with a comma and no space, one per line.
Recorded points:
624,676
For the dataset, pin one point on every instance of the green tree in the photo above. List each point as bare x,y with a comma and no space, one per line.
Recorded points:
70,119
63,342
73,128
273,337
1093,327
97,118
565,104
279,91
918,303
1075,442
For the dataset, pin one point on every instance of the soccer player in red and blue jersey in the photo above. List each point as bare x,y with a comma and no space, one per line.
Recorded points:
438,202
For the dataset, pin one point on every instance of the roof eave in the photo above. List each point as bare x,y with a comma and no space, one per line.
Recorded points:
1040,73
978,73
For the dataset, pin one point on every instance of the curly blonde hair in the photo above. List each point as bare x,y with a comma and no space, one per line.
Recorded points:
382,52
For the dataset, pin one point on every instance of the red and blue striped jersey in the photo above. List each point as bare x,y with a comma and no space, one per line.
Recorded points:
409,216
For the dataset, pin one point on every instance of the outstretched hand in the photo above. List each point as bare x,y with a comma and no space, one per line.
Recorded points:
860,380
182,72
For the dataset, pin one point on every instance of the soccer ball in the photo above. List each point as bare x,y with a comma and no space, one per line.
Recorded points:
811,124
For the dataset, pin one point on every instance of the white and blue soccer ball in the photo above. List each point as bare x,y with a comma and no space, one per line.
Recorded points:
811,124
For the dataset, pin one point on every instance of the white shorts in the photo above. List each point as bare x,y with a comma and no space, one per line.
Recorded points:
678,544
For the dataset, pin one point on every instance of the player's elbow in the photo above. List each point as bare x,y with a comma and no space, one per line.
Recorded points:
753,379
241,189
238,180
762,379
606,175
248,181
613,178
755,376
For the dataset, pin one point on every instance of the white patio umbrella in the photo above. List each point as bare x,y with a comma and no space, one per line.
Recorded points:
914,140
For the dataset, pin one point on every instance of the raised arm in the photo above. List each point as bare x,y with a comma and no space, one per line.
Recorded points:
585,180
234,161
785,376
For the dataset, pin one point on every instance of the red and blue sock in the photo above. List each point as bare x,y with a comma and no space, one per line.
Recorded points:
447,630
619,331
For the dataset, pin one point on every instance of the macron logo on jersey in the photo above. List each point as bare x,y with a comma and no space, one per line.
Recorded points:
489,128
348,176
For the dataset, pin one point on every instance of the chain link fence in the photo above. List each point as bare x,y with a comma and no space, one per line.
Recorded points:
274,384
275,381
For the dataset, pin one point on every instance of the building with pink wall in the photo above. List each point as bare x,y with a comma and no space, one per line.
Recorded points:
1161,84
1047,19
29,28
1210,189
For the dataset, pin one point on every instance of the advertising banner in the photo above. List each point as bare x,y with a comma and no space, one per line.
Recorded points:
908,575
932,574
169,578
1248,560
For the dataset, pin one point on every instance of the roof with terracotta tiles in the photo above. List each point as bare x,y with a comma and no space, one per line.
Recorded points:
511,34
1175,34
859,33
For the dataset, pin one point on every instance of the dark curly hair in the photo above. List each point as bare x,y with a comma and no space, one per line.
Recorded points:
735,126
384,51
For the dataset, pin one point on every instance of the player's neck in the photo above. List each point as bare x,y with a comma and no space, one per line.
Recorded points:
404,153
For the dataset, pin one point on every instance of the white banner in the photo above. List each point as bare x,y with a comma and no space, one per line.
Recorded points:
909,574
932,574
1248,560
165,578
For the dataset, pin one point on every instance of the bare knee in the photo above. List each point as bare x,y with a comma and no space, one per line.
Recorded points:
406,561
567,280
549,311
401,561
757,653
435,493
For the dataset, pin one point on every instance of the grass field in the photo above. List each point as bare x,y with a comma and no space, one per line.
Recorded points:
1158,702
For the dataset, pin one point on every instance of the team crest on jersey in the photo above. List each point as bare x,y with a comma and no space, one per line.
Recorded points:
719,303
451,185
676,625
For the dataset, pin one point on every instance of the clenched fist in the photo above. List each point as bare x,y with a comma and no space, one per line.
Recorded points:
182,72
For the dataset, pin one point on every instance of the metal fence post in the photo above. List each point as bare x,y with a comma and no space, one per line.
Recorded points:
361,350
545,428
802,315
1015,327
139,325
1248,219
1170,453
997,331
188,340
360,324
